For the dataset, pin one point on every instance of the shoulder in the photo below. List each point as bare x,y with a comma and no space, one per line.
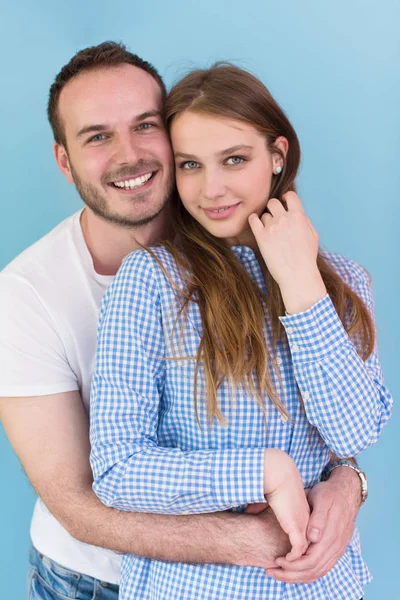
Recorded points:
154,257
350,271
44,259
47,275
155,265
143,273
15,288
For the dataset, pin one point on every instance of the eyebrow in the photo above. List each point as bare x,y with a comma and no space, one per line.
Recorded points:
102,127
230,150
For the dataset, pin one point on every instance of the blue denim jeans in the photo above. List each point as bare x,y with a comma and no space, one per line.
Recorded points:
47,580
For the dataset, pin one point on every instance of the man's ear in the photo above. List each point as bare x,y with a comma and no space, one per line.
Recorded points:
62,159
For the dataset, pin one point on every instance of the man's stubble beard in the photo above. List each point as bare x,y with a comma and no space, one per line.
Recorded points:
97,203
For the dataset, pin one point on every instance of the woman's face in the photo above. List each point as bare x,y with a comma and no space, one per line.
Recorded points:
223,172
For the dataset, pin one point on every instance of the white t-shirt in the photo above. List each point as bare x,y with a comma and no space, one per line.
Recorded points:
49,301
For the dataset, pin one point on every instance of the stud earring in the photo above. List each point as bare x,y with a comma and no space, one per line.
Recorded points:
278,170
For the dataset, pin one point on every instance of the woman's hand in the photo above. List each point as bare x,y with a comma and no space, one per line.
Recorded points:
289,246
284,491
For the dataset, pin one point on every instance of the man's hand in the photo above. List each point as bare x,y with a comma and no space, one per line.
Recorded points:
334,504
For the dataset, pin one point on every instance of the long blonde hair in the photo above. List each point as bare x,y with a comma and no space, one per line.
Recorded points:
234,345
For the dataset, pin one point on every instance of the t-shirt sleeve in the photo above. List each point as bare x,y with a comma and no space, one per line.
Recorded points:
33,361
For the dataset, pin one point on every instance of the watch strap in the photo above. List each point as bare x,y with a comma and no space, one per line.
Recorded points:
343,462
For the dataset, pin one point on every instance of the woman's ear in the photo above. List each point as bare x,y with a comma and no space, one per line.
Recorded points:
277,157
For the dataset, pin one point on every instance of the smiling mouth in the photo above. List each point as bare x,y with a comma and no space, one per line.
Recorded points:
219,210
134,183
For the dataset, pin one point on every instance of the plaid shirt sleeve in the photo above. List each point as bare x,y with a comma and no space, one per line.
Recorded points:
344,397
131,471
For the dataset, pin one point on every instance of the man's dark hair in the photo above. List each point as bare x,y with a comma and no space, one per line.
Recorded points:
107,54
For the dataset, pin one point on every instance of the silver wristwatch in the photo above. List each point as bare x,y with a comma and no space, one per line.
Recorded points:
343,462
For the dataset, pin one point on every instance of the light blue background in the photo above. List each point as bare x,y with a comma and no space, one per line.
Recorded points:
333,66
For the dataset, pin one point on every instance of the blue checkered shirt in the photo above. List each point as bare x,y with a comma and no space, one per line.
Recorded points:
150,455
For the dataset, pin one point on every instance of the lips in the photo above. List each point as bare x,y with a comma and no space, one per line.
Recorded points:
131,177
133,183
221,212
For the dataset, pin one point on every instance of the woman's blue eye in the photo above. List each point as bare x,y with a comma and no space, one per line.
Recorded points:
235,160
189,164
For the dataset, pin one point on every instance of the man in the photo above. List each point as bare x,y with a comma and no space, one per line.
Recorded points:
106,111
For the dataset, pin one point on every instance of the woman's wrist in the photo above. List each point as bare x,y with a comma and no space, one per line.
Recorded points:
276,463
301,293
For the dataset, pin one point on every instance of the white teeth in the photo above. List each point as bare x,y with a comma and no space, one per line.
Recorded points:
220,209
131,184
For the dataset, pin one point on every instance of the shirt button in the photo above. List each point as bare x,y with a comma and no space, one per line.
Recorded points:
284,418
289,330
279,361
306,396
295,348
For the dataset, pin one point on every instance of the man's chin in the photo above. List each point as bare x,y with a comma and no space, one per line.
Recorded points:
125,220
128,212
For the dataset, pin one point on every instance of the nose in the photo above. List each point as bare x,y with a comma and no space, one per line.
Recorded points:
213,185
126,150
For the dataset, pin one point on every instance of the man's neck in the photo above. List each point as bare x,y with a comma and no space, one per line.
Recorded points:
109,243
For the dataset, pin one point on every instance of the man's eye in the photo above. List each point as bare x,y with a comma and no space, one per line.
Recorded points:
144,126
97,138
189,165
235,160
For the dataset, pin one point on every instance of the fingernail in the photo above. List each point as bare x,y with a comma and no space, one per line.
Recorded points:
315,533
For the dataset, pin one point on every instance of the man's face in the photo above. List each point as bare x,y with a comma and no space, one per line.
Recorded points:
118,152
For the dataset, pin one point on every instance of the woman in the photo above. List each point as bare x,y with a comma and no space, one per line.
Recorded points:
235,357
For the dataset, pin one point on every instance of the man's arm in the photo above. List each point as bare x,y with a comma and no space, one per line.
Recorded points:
50,435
